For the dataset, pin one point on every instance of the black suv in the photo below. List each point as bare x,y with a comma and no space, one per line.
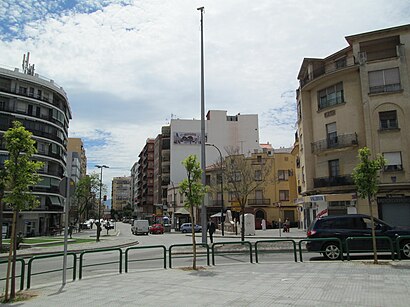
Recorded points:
354,225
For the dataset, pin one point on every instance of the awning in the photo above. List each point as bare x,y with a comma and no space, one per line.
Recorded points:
182,211
55,200
217,214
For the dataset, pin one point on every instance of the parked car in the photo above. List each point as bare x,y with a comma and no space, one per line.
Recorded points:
187,227
156,228
354,225
109,225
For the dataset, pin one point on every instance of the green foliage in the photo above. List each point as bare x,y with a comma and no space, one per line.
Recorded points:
365,174
86,190
191,187
21,171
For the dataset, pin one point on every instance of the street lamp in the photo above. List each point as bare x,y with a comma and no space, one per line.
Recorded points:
99,203
174,205
222,189
203,166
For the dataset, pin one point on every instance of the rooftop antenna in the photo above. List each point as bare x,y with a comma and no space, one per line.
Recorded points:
27,68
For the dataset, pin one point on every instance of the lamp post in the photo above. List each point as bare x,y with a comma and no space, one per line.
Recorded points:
174,204
203,166
222,189
101,167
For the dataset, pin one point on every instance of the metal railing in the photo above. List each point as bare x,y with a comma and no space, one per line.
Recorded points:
349,239
80,274
30,264
164,257
22,270
242,243
321,239
188,253
340,141
259,251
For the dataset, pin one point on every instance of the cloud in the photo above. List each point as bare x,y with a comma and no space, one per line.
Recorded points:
128,65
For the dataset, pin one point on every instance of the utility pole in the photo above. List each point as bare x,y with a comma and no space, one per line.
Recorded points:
203,161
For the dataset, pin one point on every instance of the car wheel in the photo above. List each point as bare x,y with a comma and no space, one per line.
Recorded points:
184,231
405,250
331,251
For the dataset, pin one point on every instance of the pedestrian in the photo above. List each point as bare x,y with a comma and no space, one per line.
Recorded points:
211,230
70,231
286,227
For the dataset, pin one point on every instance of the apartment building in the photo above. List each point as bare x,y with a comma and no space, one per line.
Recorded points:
145,181
356,97
269,176
121,193
42,107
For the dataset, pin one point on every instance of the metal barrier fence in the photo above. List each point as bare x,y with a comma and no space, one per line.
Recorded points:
321,239
30,263
258,251
80,274
190,253
350,239
164,257
406,245
227,252
22,270
394,247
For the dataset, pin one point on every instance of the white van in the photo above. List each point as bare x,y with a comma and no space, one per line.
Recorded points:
140,227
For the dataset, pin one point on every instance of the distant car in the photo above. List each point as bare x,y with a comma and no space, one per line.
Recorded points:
109,225
354,225
187,227
156,228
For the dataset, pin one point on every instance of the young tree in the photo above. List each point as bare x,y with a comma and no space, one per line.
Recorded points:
365,177
242,176
84,195
21,174
2,187
194,191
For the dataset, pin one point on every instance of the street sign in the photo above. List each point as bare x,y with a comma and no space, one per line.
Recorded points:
63,186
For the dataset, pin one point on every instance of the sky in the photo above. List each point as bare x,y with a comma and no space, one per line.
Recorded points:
130,66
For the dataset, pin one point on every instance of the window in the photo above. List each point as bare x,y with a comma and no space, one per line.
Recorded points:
333,168
387,80
393,161
283,195
388,120
219,179
258,194
331,133
340,63
235,177
283,174
258,175
208,179
331,96
259,159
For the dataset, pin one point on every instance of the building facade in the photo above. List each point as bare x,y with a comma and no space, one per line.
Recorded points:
356,97
43,108
121,193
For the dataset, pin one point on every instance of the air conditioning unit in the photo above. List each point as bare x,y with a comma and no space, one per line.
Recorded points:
362,58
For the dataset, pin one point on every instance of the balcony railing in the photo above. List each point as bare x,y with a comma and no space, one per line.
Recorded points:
332,181
259,202
322,70
340,141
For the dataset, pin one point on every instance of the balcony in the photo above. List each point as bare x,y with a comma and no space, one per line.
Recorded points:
259,202
332,181
324,69
340,141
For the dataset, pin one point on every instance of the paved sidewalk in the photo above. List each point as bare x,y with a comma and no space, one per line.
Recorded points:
274,284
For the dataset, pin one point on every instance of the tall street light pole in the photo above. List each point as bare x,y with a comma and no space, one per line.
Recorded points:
222,189
203,166
101,167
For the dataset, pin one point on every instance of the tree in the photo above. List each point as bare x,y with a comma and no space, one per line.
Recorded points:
21,174
365,176
87,188
2,187
242,176
194,191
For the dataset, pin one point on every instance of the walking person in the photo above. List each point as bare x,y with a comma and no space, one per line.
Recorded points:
211,230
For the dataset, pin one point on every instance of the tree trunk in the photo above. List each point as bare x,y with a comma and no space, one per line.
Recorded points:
375,261
1,221
13,267
242,223
13,230
193,238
